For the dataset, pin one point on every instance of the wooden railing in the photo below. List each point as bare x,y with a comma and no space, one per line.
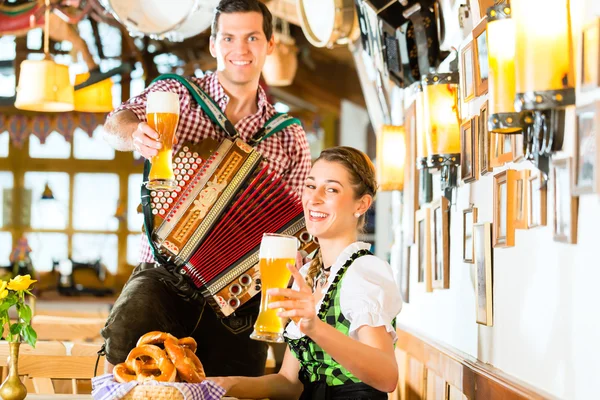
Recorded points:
430,371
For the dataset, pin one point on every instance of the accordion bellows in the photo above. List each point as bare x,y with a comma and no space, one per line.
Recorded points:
212,224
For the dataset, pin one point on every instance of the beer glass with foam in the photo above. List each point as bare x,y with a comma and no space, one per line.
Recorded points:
162,110
276,251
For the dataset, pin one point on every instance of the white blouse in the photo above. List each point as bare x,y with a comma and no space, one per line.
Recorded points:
369,294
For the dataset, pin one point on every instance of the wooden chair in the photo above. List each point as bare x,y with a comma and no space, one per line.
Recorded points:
67,328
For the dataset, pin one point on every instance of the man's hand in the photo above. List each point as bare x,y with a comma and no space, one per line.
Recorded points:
145,140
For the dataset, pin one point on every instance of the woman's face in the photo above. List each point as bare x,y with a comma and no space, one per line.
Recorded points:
329,201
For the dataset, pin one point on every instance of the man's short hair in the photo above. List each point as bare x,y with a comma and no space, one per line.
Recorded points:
233,6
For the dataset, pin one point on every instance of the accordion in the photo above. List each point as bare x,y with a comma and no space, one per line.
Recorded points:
210,227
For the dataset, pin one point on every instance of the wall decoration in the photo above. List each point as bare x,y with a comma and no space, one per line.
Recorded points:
537,200
522,200
467,73
590,60
480,52
423,246
504,208
411,174
484,5
483,139
468,150
440,246
405,273
469,218
565,205
501,149
518,152
484,286
587,150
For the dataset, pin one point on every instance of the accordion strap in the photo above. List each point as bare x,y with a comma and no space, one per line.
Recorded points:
275,124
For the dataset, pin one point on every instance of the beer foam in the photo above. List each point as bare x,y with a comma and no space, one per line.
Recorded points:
278,247
162,102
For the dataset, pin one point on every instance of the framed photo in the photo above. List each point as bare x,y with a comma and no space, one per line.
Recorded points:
480,51
468,153
504,208
501,147
405,273
423,246
484,299
537,200
483,6
425,187
411,175
517,148
467,73
590,71
440,250
522,200
469,218
484,141
587,151
565,205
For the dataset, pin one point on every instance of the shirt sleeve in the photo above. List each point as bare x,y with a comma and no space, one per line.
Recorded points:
369,295
137,104
300,155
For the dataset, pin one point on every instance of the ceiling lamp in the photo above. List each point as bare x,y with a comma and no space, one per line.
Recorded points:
281,65
96,98
44,85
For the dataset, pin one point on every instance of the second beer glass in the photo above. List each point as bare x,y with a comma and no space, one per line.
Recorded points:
163,116
276,251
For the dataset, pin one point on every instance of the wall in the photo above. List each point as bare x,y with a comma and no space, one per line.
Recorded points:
546,327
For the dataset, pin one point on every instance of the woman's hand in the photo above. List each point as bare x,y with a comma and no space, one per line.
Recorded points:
226,382
299,305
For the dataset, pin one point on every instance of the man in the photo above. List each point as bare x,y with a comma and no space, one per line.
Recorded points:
242,37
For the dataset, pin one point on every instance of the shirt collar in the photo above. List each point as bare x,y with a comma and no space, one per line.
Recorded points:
345,255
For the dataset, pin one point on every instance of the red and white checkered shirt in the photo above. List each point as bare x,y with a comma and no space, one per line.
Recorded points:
287,152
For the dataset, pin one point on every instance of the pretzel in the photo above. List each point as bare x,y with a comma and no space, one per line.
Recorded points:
186,362
166,370
155,337
123,373
189,342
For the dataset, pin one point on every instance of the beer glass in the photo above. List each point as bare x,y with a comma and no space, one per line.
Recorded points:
276,251
162,111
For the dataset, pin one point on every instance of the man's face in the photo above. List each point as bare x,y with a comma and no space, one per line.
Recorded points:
241,46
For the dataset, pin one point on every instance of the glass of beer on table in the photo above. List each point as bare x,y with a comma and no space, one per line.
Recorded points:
162,111
276,251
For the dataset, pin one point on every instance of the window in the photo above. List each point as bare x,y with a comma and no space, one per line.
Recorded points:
5,248
91,148
47,213
88,248
6,184
133,249
135,221
55,146
95,201
4,138
46,248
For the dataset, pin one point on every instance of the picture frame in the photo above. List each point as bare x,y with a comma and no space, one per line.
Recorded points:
467,73
483,140
423,246
469,219
411,175
483,6
468,151
565,205
480,58
518,152
537,200
504,209
501,147
484,277
440,243
590,56
586,166
405,273
522,200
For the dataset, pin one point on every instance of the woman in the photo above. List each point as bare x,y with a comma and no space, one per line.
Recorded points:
342,305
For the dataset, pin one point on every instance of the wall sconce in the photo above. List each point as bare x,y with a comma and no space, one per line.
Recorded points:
544,74
438,128
391,155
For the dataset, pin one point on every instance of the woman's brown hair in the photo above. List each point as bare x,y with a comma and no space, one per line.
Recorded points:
362,177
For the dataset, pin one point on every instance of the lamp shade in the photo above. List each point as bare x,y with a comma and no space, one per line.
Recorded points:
281,65
96,98
544,54
44,86
440,114
391,156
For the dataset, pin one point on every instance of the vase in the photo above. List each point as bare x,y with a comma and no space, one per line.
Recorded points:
12,388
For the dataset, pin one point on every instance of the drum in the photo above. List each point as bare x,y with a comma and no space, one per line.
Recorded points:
159,19
326,23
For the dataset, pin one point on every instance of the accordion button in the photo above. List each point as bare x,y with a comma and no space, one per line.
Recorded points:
235,289
188,154
245,280
184,160
187,166
257,288
258,282
169,200
154,212
162,212
177,160
186,149
233,302
196,155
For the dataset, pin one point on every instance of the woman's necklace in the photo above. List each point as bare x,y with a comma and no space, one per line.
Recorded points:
323,276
